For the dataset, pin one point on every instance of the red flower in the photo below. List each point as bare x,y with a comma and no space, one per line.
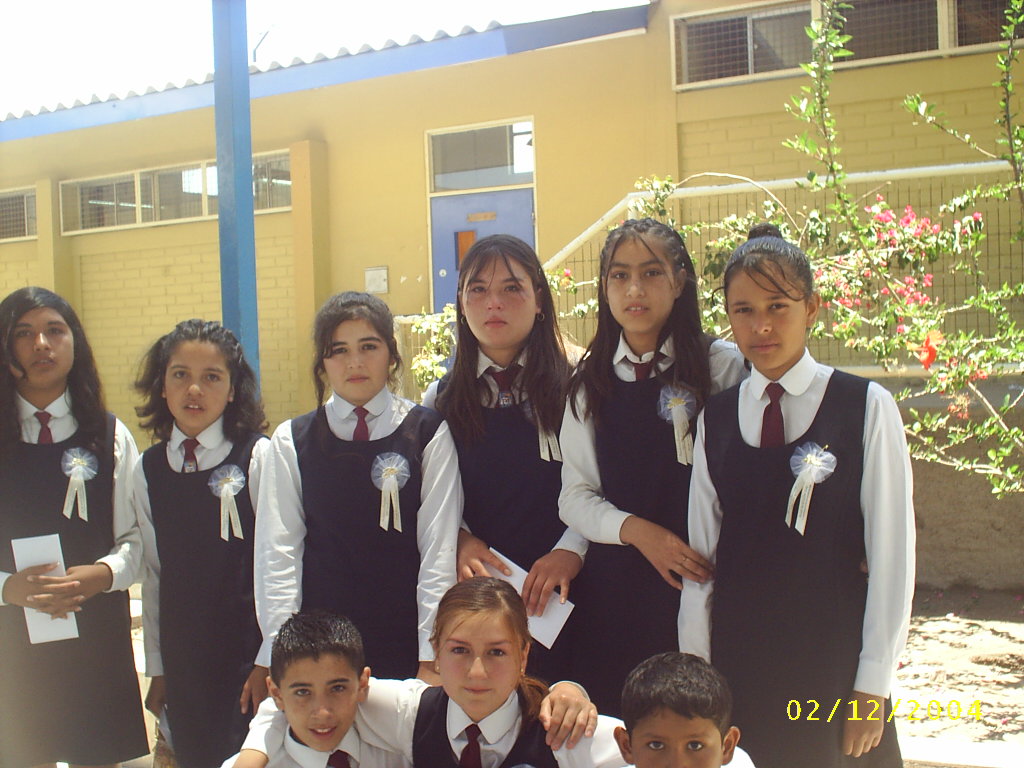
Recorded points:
928,350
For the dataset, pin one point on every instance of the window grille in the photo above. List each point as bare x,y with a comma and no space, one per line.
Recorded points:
167,194
980,21
736,46
772,38
17,214
884,28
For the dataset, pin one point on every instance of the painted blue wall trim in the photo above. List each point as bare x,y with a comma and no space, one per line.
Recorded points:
516,38
235,223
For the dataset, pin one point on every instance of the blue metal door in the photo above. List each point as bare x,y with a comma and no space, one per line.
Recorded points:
505,212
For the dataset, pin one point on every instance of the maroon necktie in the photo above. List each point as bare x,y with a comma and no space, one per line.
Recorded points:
643,370
470,757
45,435
773,432
338,759
362,430
190,464
504,381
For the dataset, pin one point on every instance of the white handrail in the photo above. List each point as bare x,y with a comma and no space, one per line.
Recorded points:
865,177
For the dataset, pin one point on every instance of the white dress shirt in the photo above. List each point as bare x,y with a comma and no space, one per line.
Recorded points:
213,448
281,524
886,500
570,540
284,751
387,719
582,505
125,556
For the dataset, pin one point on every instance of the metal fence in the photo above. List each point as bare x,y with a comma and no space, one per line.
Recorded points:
926,189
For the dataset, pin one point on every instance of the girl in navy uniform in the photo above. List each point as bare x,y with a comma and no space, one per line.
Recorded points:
77,700
503,401
487,711
361,500
626,440
194,497
801,474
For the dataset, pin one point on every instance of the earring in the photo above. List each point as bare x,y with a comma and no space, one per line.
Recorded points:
541,317
462,319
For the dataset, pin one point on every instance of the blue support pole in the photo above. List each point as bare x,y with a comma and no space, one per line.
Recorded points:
234,176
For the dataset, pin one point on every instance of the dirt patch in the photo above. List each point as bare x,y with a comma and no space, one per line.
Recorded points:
962,674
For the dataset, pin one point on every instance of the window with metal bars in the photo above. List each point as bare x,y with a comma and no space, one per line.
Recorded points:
980,21
17,214
735,46
167,194
772,37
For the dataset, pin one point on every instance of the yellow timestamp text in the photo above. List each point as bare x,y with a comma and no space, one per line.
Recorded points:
912,709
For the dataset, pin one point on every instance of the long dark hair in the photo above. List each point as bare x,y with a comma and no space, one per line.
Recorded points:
691,370
243,414
484,594
83,383
351,305
546,373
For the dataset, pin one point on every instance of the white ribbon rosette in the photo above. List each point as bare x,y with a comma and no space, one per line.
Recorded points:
225,483
811,464
390,472
549,450
80,466
547,441
679,406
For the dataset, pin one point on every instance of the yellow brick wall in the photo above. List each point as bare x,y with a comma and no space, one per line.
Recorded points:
137,284
18,266
740,128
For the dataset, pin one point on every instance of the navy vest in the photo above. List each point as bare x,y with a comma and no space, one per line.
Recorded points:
350,564
620,597
511,493
788,609
430,745
99,703
205,582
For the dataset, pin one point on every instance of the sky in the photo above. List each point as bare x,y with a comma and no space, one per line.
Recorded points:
57,51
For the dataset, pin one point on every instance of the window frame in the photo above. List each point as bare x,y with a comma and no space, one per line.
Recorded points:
946,39
509,123
25,193
203,166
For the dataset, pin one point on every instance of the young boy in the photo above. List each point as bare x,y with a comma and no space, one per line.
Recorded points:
676,709
317,678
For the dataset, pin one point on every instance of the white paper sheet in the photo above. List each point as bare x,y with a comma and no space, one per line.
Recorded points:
544,628
40,550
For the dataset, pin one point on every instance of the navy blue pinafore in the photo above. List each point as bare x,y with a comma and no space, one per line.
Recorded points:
625,612
208,631
430,745
74,701
351,565
788,609
511,503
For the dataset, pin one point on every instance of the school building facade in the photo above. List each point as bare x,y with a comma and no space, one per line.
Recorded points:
372,169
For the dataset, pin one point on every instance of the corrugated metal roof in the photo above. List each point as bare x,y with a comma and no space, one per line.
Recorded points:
321,70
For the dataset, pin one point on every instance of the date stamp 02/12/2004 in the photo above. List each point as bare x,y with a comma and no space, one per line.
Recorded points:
954,709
